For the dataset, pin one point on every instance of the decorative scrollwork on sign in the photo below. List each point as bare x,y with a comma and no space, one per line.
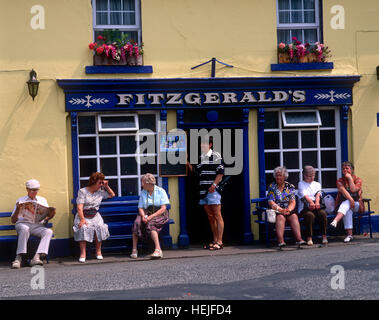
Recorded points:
89,101
332,96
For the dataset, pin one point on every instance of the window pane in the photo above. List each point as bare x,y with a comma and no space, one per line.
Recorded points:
113,185
128,145
327,118
328,138
296,17
87,167
87,125
310,35
309,17
272,160
309,139
294,178
129,18
115,5
107,145
101,5
298,33
102,18
108,166
290,140
296,4
310,159
284,17
284,4
299,118
328,159
87,146
129,187
83,183
291,160
271,120
147,121
128,166
115,18
129,5
269,179
118,122
149,167
329,179
271,140
309,4
284,36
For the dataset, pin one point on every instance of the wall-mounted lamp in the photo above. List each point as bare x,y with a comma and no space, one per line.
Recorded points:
33,84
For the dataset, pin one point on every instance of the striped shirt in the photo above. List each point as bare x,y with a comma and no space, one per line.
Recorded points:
211,164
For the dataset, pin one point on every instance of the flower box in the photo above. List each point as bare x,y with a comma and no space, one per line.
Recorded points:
103,60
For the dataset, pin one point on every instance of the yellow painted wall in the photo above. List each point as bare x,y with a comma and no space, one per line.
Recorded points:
35,136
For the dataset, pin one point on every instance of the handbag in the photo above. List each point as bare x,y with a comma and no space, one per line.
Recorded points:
271,215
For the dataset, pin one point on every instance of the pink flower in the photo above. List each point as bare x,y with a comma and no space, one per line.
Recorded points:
282,45
294,38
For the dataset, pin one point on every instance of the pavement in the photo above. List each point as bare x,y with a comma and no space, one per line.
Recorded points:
198,251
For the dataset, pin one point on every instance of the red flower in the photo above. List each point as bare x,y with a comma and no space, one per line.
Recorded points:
294,38
99,50
92,45
100,37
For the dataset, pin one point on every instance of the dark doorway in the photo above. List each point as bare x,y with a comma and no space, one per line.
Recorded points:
198,228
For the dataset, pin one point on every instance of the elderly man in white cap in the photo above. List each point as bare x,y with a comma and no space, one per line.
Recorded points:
27,226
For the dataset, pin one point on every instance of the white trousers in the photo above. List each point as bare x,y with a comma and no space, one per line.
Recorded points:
26,229
348,213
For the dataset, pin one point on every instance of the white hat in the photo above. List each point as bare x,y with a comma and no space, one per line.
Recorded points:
32,184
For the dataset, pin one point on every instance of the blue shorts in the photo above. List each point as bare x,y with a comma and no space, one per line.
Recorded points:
211,198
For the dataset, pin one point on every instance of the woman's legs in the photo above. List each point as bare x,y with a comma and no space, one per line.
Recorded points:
322,218
135,241
98,246
295,226
155,237
279,226
83,246
309,219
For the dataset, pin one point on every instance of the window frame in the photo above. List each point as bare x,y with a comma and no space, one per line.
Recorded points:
118,155
125,28
302,26
101,129
300,149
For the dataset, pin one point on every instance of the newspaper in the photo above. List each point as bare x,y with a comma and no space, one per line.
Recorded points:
34,212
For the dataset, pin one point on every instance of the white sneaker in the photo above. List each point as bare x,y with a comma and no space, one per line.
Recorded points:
324,241
334,224
348,239
134,254
99,257
309,243
82,260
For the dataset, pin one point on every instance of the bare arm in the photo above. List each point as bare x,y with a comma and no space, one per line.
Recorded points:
14,216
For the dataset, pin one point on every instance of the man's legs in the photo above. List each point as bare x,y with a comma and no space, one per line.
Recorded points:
212,221
216,208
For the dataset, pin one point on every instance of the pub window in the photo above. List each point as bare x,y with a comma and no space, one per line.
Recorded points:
120,16
115,153
300,19
117,122
305,118
295,147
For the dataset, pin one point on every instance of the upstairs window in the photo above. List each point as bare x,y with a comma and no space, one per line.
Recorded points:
115,18
300,19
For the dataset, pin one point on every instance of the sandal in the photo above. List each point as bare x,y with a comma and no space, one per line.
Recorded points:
209,246
217,246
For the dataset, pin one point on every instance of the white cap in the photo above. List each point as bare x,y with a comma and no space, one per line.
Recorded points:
32,184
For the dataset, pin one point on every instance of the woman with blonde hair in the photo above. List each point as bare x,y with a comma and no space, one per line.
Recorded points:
152,215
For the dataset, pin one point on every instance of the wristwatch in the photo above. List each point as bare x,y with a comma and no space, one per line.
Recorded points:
146,216
214,184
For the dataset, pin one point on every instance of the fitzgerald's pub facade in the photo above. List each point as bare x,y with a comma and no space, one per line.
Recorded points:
88,117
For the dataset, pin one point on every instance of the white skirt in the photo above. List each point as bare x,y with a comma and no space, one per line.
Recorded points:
86,232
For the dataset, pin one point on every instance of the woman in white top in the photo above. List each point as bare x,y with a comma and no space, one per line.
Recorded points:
309,193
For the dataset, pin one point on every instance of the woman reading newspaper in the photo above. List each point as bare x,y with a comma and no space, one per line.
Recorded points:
30,214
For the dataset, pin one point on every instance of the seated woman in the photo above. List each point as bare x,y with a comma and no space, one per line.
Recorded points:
349,199
152,215
281,198
88,223
309,193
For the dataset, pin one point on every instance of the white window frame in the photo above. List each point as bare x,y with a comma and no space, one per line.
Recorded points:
101,129
302,26
289,125
319,169
118,154
123,28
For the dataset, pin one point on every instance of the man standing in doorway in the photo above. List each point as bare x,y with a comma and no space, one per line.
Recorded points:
210,171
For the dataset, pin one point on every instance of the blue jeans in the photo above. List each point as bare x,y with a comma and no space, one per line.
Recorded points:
211,198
